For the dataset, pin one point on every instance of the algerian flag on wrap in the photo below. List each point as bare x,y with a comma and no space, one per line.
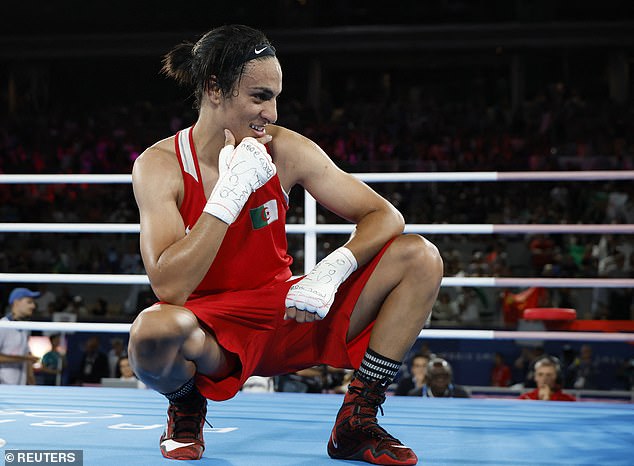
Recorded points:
264,215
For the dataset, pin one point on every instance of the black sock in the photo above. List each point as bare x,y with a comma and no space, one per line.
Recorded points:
186,394
377,367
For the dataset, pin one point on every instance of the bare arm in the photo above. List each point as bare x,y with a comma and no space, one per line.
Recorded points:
303,162
4,358
175,262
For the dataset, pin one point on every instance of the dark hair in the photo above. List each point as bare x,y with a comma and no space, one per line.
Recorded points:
216,60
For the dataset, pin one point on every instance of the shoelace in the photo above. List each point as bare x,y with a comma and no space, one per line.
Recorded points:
367,403
187,422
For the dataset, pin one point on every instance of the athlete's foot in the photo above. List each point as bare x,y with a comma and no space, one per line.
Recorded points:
183,435
357,435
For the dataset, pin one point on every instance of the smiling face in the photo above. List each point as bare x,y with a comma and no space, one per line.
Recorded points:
253,103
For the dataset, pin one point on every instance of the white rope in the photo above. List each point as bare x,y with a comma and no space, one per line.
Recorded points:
70,227
443,334
497,176
311,229
59,178
369,177
478,282
85,278
66,326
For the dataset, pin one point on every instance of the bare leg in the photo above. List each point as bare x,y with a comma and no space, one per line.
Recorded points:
168,346
399,294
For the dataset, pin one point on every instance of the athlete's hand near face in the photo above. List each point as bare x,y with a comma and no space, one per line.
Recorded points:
241,171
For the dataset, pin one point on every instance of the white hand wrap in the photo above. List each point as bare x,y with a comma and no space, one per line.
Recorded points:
240,172
316,291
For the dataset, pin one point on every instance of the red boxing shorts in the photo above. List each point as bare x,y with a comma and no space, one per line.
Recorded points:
251,325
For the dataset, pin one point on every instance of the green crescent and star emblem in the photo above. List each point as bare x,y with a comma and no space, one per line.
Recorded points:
264,215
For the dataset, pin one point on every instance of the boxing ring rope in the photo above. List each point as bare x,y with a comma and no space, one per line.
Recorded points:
310,229
324,228
484,282
427,333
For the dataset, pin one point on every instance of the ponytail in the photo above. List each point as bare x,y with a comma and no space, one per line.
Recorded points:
177,64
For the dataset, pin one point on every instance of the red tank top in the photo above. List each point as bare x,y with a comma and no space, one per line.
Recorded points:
253,253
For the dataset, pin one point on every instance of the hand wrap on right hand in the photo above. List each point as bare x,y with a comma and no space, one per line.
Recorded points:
240,172
315,292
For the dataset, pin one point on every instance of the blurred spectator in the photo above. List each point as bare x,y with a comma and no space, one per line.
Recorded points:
445,310
16,362
439,382
547,376
415,378
542,249
77,307
115,353
568,356
94,363
45,303
100,308
584,370
125,372
501,372
53,363
472,305
523,367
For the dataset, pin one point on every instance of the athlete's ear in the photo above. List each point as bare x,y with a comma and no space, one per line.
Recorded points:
213,90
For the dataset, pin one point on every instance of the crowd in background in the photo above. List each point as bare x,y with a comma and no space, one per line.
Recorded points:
557,129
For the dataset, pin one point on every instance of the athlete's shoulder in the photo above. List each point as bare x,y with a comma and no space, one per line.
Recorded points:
160,156
288,142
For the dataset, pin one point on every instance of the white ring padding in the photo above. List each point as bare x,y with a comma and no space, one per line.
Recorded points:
483,282
85,278
444,334
66,326
478,229
369,177
70,227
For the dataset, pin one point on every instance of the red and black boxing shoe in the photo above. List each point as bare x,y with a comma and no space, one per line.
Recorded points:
183,435
357,435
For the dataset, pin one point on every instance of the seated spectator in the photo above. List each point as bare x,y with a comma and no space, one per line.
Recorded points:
94,363
583,370
126,373
439,382
547,373
524,366
115,353
416,377
501,372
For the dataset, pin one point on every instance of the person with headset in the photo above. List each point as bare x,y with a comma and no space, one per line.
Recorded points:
547,375
439,382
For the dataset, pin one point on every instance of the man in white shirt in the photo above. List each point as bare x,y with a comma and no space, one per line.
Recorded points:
15,360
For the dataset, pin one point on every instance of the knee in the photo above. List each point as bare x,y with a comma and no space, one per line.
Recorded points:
421,258
159,329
